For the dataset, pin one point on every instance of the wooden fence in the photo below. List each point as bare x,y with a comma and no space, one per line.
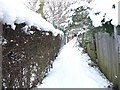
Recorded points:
107,55
104,49
117,34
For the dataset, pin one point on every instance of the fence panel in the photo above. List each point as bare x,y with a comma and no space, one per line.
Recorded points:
105,49
107,55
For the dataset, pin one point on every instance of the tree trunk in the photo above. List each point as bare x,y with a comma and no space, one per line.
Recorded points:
40,10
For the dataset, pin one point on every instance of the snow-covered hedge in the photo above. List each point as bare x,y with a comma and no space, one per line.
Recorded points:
30,45
27,58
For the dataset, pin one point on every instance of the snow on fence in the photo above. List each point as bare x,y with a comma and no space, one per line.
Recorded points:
103,49
27,57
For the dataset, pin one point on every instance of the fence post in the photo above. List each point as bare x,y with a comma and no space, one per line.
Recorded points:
119,47
116,34
1,28
118,61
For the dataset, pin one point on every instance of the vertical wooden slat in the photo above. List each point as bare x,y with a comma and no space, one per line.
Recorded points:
118,61
119,45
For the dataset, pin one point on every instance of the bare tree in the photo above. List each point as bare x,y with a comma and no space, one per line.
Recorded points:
31,4
54,10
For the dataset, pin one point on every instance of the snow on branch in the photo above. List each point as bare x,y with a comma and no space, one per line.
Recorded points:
107,9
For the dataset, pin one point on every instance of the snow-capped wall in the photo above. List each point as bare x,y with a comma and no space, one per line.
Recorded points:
15,11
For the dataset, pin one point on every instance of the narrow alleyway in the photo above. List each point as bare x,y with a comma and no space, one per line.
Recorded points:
71,70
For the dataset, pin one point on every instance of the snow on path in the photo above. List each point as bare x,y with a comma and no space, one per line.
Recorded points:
71,70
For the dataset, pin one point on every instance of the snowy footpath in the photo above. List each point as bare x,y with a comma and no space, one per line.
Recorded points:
71,70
